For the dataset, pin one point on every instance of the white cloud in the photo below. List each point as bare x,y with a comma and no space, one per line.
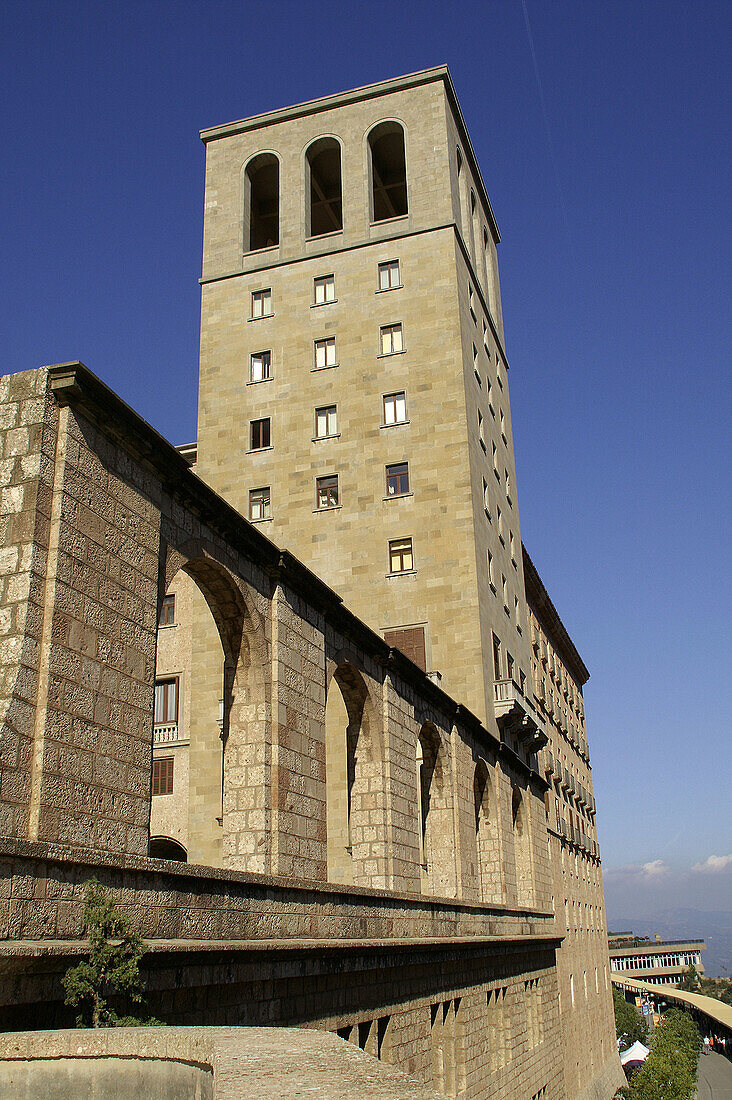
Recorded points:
656,867
714,863
653,869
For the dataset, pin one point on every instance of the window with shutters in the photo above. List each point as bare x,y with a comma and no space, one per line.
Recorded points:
411,641
162,775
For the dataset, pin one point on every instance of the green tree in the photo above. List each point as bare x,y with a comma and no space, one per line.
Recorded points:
669,1071
113,966
630,1026
690,982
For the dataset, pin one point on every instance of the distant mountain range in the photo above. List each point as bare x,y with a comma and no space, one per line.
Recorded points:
678,924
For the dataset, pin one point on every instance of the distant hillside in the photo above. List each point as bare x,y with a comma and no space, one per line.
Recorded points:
677,924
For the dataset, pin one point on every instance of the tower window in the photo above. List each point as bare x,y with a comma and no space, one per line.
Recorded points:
326,491
260,503
395,408
324,287
400,556
326,422
392,339
263,181
326,204
260,434
325,353
388,171
397,479
260,366
389,275
261,304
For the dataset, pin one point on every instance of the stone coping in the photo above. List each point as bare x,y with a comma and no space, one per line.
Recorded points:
59,853
247,1062
29,948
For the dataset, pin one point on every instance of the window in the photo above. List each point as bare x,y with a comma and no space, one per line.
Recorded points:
167,611
471,301
259,434
395,408
503,426
166,702
324,288
486,502
490,396
496,658
263,182
397,479
325,353
485,340
260,366
491,579
389,275
392,340
495,460
481,436
509,666
512,544
162,775
326,491
400,555
516,613
388,171
410,640
326,421
259,503
326,206
475,365
261,304
504,588
508,485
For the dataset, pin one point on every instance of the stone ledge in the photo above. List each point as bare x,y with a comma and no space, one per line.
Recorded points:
266,1063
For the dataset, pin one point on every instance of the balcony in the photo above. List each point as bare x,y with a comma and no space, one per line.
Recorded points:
164,734
515,714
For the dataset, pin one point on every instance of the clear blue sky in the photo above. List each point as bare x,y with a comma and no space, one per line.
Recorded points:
608,169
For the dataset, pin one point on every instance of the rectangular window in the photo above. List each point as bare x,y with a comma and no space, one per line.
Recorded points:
516,613
325,353
260,366
167,611
259,503
395,408
400,555
486,502
508,485
397,479
471,302
499,516
481,434
326,491
485,340
166,701
261,303
509,666
475,366
260,435
326,421
495,461
497,672
503,426
512,544
162,775
389,275
391,339
491,580
410,641
504,588
324,289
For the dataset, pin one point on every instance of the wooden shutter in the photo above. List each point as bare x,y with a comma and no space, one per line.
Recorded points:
162,775
411,642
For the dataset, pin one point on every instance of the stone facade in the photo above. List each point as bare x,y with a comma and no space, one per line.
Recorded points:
380,854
